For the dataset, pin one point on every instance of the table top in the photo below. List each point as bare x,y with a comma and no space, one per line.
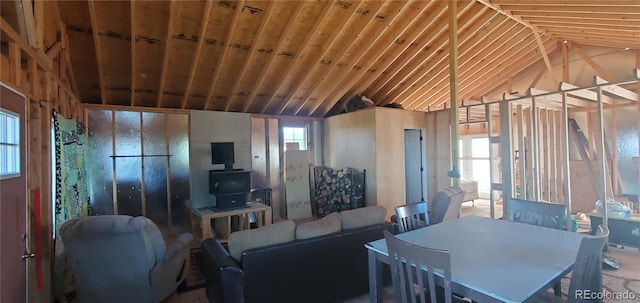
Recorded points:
211,213
505,260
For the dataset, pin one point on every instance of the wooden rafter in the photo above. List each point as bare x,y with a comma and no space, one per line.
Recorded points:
252,53
370,44
222,59
601,71
417,67
166,54
54,50
25,13
196,57
470,40
434,7
133,53
96,43
278,47
565,61
333,38
39,19
439,62
543,53
313,31
538,76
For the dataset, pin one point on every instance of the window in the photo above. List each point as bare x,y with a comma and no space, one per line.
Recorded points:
293,136
9,144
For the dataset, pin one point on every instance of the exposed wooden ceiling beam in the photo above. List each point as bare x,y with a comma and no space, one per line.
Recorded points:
491,43
166,54
225,51
471,41
204,24
584,23
543,53
570,15
27,21
333,38
13,36
568,2
39,14
601,71
96,43
133,53
319,21
584,8
433,20
438,63
487,80
278,48
370,42
616,90
252,53
417,69
407,24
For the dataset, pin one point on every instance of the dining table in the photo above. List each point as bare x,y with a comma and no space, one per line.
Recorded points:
492,260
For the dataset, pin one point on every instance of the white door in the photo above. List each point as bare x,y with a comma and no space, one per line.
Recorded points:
13,199
413,168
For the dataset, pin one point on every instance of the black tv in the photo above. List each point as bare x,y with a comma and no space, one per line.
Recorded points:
222,153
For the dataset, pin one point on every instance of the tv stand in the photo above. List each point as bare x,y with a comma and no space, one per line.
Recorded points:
201,220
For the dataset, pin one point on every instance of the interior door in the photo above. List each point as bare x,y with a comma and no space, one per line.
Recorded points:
413,165
13,205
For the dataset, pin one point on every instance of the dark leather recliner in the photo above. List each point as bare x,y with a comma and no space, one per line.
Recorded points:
322,269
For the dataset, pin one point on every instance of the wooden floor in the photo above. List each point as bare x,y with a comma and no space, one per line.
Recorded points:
195,296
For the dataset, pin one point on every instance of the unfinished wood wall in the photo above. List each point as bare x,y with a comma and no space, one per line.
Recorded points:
373,139
39,69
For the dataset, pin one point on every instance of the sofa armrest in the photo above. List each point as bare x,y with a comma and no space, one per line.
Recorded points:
225,278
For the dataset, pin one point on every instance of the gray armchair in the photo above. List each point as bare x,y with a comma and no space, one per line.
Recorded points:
123,259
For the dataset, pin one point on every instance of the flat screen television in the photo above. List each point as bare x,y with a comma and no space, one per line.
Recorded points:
222,153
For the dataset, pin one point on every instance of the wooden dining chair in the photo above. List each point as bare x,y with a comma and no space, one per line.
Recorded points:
587,271
410,264
412,216
537,213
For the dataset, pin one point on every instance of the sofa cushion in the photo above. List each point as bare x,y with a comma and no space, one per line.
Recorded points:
280,232
361,217
327,225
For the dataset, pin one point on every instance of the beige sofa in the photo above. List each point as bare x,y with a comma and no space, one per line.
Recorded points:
470,188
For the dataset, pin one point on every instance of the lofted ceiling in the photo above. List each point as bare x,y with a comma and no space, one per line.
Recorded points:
304,57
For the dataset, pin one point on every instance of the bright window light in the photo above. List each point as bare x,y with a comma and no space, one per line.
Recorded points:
9,144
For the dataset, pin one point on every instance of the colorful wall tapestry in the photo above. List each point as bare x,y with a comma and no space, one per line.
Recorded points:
71,181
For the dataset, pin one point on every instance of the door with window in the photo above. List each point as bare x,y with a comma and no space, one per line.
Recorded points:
13,198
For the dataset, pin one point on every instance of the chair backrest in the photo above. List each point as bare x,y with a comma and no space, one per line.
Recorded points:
111,257
537,213
587,271
409,265
446,205
412,216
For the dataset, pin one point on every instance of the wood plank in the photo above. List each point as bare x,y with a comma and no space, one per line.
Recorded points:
33,137
39,15
551,160
565,62
15,67
614,153
410,23
331,41
535,150
133,52
54,50
96,42
278,48
585,94
196,57
601,71
416,73
453,76
26,13
544,155
252,53
230,31
556,98
32,67
538,76
616,90
319,22
167,50
371,44
529,151
543,52
13,36
521,178
46,200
